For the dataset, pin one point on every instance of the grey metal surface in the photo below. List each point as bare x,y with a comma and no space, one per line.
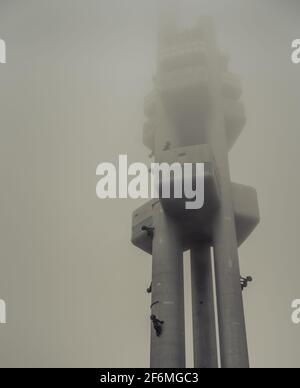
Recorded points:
168,350
204,326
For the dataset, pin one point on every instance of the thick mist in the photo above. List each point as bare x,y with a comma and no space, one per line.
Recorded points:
72,95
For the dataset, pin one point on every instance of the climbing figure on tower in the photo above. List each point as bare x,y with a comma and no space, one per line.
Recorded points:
245,281
157,325
149,230
149,289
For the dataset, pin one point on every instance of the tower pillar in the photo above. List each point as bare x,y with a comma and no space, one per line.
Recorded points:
204,326
168,348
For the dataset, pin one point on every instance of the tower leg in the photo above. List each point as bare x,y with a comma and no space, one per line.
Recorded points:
167,349
233,340
204,327
232,328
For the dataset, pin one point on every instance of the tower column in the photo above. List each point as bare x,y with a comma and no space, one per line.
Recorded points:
232,328
168,348
204,326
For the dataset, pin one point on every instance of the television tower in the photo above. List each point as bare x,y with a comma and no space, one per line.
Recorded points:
194,115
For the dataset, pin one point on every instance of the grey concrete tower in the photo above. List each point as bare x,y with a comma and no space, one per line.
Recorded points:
194,115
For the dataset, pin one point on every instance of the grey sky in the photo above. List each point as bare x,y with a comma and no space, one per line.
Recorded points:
71,97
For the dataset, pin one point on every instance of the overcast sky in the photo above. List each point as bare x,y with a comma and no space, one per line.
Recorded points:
72,97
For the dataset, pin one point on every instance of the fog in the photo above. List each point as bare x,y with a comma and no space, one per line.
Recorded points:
72,95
